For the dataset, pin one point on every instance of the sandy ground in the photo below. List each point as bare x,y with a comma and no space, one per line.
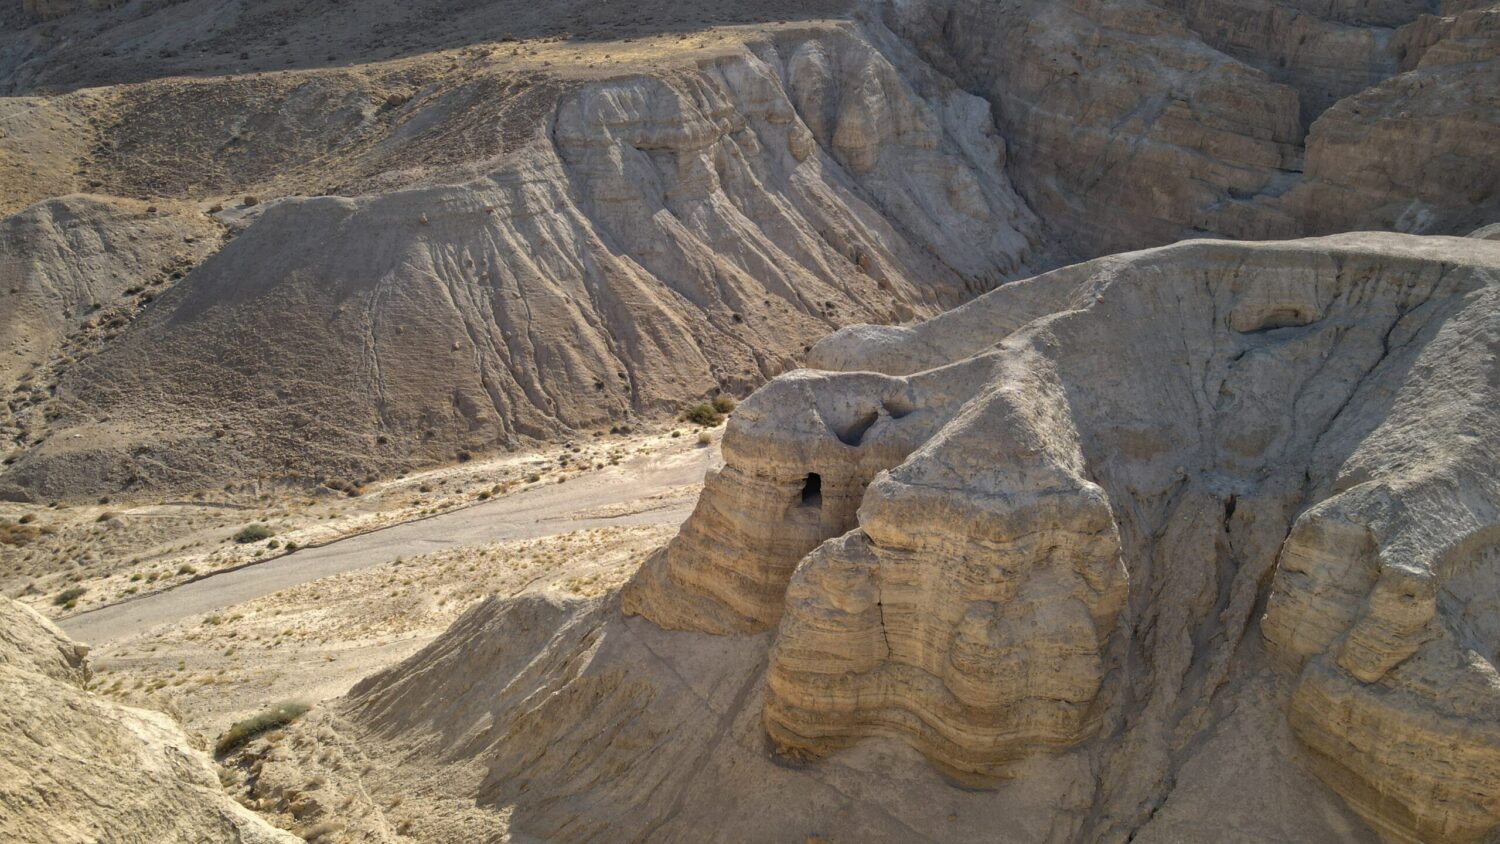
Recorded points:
375,579
117,552
312,641
307,625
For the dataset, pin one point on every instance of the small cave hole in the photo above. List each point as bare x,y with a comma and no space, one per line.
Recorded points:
812,490
853,434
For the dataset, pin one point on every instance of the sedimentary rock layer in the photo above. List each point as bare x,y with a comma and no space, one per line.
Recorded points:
1080,547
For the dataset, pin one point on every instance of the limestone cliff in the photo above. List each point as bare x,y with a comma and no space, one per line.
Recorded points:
1135,550
1078,553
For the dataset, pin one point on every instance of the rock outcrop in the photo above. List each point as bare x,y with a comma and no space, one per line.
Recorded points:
1134,550
1078,547
1136,124
76,767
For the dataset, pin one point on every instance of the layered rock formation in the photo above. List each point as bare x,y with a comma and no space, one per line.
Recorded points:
1337,393
1136,550
527,237
1135,124
77,767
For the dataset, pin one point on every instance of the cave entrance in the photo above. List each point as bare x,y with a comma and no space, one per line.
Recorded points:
812,490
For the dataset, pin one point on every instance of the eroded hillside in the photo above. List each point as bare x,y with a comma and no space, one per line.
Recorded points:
516,223
1245,564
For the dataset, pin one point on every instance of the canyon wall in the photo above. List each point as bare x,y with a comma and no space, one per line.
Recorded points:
1077,555
76,766
1135,550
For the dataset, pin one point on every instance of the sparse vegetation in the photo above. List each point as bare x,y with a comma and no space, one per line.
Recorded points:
68,598
273,717
253,533
725,404
18,535
703,414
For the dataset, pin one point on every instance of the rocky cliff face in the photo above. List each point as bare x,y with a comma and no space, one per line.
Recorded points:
75,766
1263,532
1138,124
1082,547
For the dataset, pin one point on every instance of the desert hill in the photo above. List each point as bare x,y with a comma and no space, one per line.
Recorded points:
518,223
1075,589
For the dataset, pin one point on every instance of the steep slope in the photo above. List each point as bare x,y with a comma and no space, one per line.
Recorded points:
1143,547
77,767
77,271
1136,124
659,240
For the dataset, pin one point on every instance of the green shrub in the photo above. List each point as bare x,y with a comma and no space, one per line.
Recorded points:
186,569
273,717
253,533
69,597
725,404
703,414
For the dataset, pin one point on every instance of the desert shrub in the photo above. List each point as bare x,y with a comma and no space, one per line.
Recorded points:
464,457
703,414
253,533
704,438
725,404
69,597
186,569
18,535
273,717
291,546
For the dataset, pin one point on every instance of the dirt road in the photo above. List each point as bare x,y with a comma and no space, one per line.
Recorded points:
637,492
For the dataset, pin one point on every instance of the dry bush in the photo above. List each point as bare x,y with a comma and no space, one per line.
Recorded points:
253,533
274,717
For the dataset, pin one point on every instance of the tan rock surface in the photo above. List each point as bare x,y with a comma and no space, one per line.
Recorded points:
972,608
1233,586
77,767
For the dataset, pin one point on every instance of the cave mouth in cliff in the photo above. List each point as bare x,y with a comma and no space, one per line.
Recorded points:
812,490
